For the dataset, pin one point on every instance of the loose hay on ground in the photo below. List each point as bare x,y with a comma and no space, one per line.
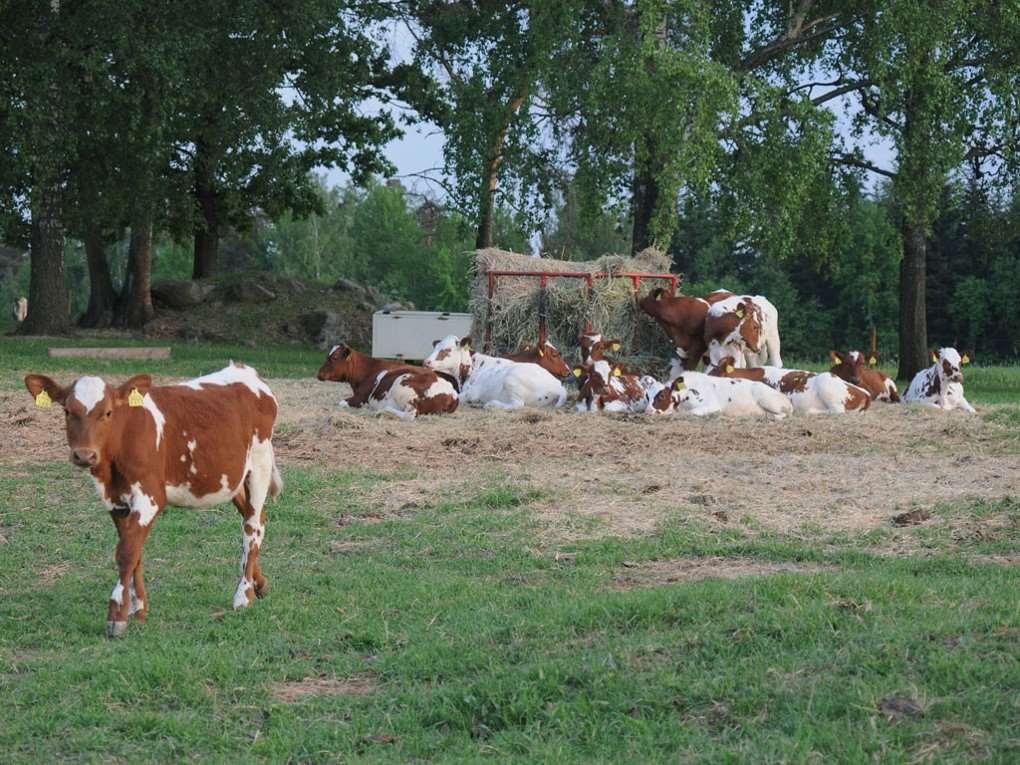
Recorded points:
663,572
297,690
832,473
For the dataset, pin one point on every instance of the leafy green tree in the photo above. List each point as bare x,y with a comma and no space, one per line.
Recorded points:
273,91
941,88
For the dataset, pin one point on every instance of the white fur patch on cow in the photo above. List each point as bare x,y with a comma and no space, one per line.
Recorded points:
230,375
101,491
117,596
181,495
141,504
89,391
192,444
157,416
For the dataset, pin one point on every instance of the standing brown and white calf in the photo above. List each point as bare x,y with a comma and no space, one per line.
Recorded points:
196,444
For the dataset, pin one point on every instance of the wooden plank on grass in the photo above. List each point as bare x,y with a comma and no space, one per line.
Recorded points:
110,353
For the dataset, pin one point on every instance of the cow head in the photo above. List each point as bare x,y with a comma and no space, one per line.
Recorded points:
749,315
848,366
549,358
92,411
338,364
949,362
594,347
451,355
725,368
652,302
685,397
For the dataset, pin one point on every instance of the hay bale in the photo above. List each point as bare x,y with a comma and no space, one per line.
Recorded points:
610,306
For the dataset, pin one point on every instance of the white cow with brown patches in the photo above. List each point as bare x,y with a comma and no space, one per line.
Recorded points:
195,444
493,382
745,327
700,394
941,384
809,392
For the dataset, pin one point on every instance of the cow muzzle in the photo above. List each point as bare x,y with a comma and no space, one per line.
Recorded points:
85,458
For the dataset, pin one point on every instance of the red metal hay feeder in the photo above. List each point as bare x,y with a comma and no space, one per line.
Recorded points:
544,276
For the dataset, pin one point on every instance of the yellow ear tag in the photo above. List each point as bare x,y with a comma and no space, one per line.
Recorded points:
934,359
540,353
135,398
615,346
659,296
679,385
577,371
740,313
965,359
616,372
43,400
729,369
872,361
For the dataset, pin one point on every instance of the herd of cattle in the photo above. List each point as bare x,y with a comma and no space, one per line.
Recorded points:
209,440
735,337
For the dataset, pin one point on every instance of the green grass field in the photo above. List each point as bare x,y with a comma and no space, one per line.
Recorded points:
457,630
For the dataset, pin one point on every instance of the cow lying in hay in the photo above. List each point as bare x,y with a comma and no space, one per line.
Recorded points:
196,444
941,384
390,387
493,382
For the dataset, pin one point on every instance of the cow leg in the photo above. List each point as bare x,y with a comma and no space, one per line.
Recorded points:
249,503
129,555
138,598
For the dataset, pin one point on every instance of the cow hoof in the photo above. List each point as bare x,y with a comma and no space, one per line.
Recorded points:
116,629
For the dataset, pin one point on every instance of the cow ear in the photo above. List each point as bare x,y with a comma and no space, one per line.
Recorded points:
45,390
872,359
577,371
934,355
729,369
615,345
658,293
134,390
836,356
435,343
465,343
966,357
679,384
541,353
617,371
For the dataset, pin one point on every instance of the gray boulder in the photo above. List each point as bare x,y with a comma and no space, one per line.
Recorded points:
182,293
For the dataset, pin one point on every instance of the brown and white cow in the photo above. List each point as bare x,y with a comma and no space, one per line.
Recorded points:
854,367
605,387
390,387
941,384
545,355
745,327
196,444
810,393
682,318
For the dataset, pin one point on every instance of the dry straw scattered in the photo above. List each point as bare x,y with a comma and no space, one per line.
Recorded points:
610,305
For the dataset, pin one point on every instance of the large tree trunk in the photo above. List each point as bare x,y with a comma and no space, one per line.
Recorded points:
645,197
135,304
102,296
913,317
490,178
48,304
207,231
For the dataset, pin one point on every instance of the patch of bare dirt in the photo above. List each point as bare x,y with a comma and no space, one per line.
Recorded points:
623,475
1009,559
297,690
48,575
662,572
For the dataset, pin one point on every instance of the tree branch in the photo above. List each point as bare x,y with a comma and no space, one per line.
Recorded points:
852,160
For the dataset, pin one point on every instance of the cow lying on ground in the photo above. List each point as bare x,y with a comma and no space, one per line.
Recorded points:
390,387
606,387
545,355
810,393
851,367
493,382
746,328
700,394
941,384
593,347
197,444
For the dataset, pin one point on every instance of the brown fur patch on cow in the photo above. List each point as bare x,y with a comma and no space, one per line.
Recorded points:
795,381
292,691
681,570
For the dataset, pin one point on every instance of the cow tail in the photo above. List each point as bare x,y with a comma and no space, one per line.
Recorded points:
275,480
